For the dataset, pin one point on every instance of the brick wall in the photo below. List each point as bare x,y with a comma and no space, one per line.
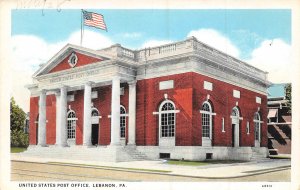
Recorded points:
188,95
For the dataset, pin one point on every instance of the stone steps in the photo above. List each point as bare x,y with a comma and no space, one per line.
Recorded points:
119,154
256,156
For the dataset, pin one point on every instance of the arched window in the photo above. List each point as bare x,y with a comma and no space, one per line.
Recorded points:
122,121
71,124
235,112
167,118
95,112
206,119
257,126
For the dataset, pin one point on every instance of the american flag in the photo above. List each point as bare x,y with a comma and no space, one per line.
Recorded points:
94,20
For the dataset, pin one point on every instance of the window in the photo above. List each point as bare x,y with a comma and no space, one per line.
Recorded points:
167,119
95,112
257,126
235,112
71,124
206,119
122,122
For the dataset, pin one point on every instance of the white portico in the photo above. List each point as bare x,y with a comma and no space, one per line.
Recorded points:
106,72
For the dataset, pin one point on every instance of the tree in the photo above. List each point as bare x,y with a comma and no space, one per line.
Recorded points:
17,124
288,95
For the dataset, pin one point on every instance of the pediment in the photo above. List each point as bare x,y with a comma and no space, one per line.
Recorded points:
69,57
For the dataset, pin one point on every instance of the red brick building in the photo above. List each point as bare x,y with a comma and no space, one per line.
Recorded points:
184,100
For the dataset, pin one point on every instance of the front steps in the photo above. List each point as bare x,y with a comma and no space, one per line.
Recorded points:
100,153
258,156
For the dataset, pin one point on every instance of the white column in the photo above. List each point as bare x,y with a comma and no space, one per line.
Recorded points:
42,119
58,115
63,116
87,132
132,113
115,111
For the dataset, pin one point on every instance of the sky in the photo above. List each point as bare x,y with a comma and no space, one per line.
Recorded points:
260,37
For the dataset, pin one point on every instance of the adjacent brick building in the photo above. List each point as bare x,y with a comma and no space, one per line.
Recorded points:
184,100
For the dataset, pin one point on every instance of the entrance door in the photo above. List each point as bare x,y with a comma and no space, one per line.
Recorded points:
95,134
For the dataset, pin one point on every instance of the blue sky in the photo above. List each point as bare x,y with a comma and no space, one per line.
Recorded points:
246,28
261,37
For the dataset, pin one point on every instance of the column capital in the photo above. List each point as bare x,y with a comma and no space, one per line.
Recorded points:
89,83
43,91
131,83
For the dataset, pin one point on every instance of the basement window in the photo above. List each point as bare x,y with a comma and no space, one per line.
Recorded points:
165,155
209,156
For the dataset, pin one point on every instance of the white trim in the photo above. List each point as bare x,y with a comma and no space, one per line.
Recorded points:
166,141
210,113
248,127
240,118
206,112
223,125
75,118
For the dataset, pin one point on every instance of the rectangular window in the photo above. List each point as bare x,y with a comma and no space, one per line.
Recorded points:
122,126
223,124
168,84
205,125
165,155
208,85
236,94
209,156
258,100
167,124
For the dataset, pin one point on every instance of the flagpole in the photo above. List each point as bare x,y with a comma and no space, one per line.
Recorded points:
81,28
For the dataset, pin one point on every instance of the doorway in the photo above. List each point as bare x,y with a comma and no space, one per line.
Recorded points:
95,134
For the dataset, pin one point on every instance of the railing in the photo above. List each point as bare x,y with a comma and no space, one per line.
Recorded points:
191,45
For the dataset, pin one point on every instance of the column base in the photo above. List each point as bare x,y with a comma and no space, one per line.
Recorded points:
131,144
42,145
62,145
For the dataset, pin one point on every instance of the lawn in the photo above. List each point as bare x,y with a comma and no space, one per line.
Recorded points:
201,163
17,149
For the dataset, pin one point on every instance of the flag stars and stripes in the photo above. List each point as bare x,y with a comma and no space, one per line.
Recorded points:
94,20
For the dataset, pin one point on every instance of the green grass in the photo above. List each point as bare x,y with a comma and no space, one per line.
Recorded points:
17,149
200,163
110,167
186,163
280,156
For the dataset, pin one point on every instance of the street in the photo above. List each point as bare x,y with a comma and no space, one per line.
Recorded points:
30,171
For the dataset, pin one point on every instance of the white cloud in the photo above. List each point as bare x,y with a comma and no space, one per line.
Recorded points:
131,35
275,59
153,43
91,39
216,40
29,51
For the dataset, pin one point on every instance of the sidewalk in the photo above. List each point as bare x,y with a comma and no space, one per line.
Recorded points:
206,171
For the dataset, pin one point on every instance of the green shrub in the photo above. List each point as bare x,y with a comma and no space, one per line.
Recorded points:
18,139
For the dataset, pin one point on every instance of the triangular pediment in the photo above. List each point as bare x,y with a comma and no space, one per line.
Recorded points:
69,57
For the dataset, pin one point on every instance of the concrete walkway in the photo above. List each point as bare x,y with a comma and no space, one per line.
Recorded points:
218,171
